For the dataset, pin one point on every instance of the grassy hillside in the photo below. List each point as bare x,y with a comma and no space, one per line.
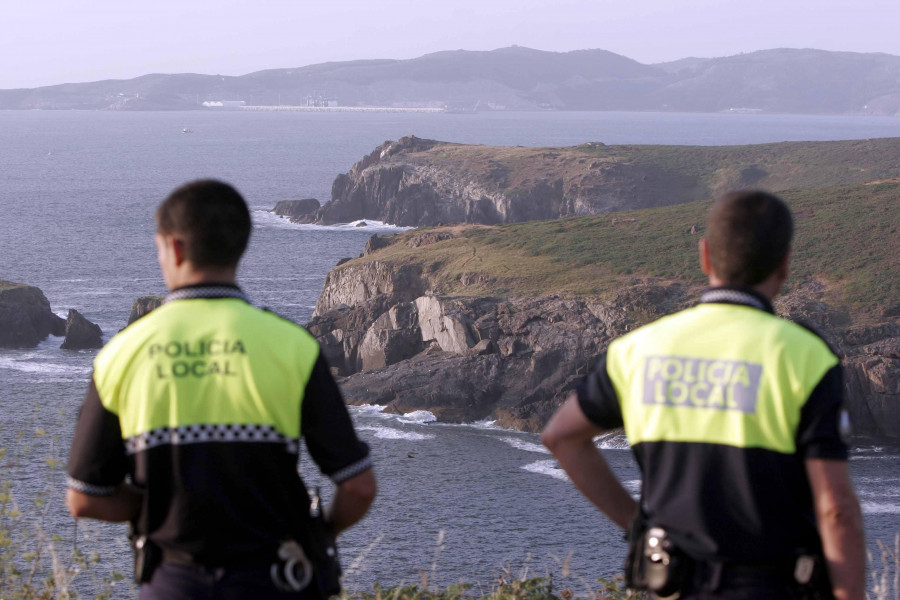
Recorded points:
662,175
8,285
847,237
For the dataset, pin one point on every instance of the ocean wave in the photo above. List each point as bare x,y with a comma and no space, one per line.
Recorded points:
879,508
524,445
23,365
613,441
266,219
486,424
418,416
633,486
546,467
390,433
376,410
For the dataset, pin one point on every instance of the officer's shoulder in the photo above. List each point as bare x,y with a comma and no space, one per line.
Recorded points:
132,335
805,331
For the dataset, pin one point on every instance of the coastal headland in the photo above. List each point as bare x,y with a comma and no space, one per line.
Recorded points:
422,183
499,321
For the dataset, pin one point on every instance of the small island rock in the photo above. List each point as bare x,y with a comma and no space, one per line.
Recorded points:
25,316
296,208
81,334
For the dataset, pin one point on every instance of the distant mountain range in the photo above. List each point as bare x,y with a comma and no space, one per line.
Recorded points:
516,78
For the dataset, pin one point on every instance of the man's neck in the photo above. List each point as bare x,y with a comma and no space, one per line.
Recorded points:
769,288
189,277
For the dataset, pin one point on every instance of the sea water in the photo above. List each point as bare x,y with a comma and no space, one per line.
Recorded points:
456,502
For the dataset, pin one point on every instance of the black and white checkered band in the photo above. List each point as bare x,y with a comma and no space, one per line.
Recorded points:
351,470
198,434
205,291
729,296
89,488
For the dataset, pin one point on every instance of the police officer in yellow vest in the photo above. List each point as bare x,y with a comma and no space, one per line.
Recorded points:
735,419
192,424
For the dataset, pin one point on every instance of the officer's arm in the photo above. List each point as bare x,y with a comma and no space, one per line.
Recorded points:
840,525
122,505
570,437
352,500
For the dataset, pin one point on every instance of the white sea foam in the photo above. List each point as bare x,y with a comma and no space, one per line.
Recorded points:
418,416
880,508
612,441
525,445
264,218
44,368
633,486
390,433
547,467
485,424
366,409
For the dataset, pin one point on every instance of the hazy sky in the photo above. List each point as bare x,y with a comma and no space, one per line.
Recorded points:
44,42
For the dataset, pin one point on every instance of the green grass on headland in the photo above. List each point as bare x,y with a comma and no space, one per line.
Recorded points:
8,285
847,238
643,176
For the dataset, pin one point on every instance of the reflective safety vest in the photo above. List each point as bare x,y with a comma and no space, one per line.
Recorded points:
725,374
211,362
722,403
202,403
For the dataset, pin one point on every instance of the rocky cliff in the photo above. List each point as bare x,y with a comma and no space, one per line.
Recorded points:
142,306
25,316
81,334
451,320
417,182
296,209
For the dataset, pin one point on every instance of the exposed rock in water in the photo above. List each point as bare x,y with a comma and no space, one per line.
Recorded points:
515,360
296,209
142,306
25,316
81,334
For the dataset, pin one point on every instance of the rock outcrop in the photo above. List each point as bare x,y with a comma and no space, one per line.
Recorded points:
417,182
81,334
142,306
25,316
397,344
296,209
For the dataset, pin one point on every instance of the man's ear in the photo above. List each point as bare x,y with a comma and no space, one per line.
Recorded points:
704,257
178,251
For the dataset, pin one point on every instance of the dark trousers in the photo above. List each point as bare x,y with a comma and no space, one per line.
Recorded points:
744,586
173,581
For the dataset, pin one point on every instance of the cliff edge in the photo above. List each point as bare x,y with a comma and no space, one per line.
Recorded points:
422,183
500,322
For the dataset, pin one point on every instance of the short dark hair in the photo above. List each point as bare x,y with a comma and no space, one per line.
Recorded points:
748,236
212,219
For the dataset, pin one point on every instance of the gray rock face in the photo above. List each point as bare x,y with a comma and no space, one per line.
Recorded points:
142,306
25,316
393,337
422,183
81,334
296,209
466,359
874,378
